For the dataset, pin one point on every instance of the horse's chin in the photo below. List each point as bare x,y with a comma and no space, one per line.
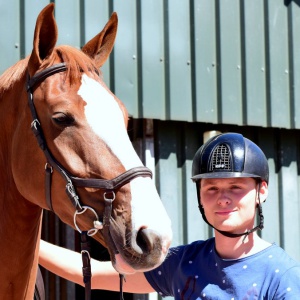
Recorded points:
122,267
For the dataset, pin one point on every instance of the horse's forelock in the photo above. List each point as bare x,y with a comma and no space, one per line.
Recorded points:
76,60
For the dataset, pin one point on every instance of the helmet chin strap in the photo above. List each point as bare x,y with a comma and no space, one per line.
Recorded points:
235,235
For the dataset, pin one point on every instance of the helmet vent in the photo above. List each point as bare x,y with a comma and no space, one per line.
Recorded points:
220,159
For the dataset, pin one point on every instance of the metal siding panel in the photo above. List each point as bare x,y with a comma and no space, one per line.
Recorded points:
271,208
254,67
9,34
179,64
290,206
295,62
96,15
165,62
125,56
168,179
152,62
195,227
31,13
279,65
67,15
230,64
205,61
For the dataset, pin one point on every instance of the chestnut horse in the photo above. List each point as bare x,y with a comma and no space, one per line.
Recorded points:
80,145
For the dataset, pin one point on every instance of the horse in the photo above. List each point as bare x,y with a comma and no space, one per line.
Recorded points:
64,147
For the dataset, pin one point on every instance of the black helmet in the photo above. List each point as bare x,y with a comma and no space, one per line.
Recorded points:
230,155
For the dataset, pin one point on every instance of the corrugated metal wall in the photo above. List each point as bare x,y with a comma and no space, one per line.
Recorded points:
196,64
229,61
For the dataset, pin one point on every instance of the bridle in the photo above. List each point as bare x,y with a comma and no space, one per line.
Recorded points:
108,186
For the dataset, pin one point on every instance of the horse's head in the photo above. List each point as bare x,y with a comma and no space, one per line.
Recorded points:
86,143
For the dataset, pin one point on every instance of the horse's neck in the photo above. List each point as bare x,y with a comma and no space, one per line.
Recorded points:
19,219
19,234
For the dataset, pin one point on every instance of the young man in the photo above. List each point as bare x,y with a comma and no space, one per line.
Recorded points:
231,175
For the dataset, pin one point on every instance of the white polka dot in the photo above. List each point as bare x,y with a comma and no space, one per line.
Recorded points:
190,262
204,295
232,299
178,290
196,276
245,267
276,271
216,264
288,289
159,272
160,293
270,256
223,281
254,284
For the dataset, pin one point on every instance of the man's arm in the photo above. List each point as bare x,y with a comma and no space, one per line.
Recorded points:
68,264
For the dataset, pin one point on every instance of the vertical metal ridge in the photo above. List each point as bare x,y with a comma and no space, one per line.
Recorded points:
268,64
112,79
82,21
139,60
291,67
193,61
22,29
167,59
243,64
218,63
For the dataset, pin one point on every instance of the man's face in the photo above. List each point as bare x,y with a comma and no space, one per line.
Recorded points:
229,203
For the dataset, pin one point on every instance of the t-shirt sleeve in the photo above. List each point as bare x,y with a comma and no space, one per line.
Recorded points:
161,278
289,285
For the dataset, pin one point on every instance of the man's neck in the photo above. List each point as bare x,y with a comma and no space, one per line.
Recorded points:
234,248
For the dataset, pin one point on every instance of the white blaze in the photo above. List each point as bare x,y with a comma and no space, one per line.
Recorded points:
106,119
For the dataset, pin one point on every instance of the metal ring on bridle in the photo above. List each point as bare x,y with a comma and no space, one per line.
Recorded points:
113,196
48,166
98,224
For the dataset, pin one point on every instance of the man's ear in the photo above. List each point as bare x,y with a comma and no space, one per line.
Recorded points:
263,191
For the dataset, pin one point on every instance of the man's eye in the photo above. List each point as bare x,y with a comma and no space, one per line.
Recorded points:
235,187
212,188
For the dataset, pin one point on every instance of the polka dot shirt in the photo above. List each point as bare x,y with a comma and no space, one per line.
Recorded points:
195,271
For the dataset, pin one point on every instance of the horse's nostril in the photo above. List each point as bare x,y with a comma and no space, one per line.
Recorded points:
145,241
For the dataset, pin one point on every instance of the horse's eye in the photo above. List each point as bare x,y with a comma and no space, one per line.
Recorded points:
63,119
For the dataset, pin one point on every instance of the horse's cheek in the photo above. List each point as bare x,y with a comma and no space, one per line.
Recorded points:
27,164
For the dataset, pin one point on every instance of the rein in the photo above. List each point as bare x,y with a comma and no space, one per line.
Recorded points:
109,186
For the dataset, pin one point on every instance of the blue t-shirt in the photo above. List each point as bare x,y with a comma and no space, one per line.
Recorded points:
195,271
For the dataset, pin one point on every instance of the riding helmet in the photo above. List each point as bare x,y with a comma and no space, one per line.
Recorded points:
230,155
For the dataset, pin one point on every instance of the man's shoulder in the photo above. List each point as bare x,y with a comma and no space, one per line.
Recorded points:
279,256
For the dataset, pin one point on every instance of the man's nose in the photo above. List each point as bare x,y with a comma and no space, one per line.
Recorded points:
223,198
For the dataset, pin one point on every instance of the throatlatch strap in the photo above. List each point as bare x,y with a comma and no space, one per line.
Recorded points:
86,264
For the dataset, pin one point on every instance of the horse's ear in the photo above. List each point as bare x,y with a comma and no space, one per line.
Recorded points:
101,45
45,37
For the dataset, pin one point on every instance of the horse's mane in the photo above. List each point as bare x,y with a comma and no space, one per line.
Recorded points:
76,60
13,74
